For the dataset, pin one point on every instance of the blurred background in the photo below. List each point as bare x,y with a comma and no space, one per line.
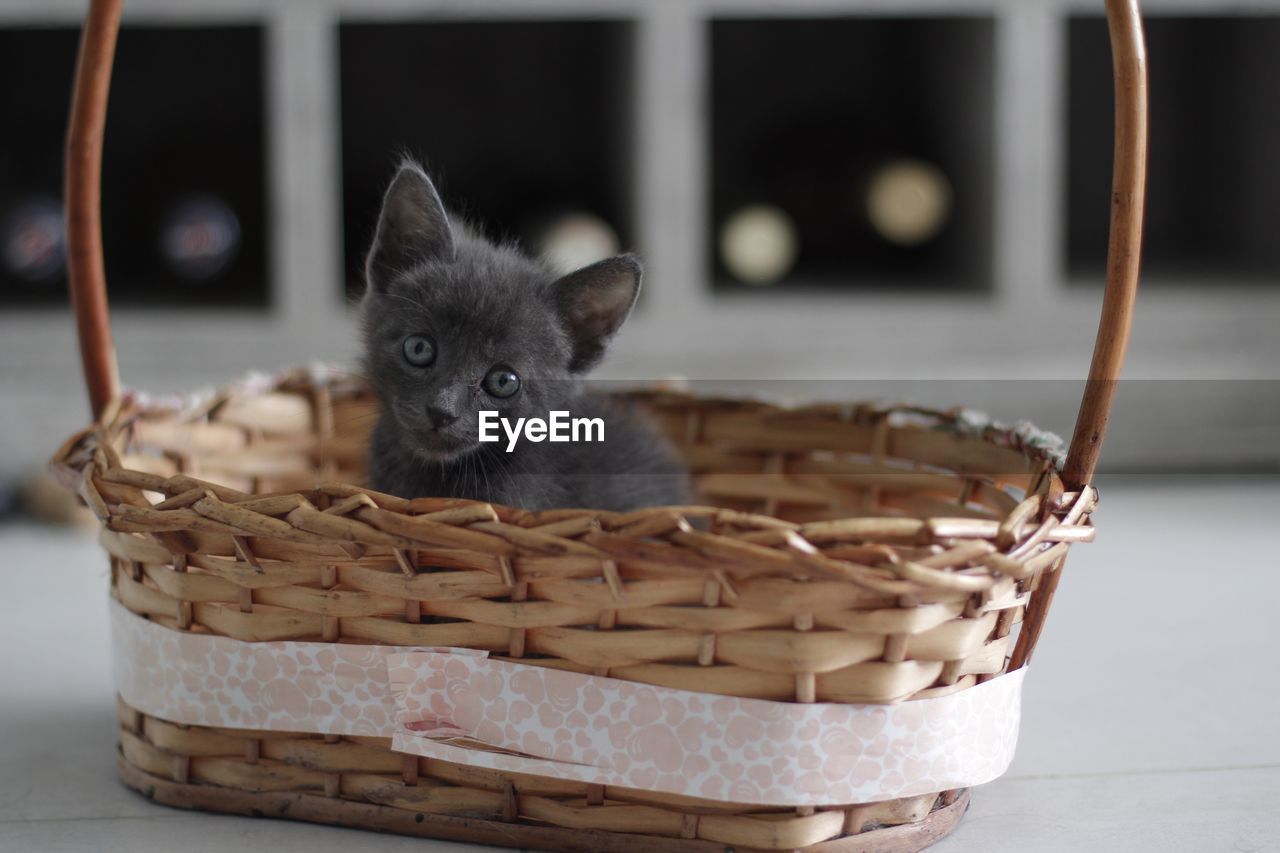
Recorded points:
825,190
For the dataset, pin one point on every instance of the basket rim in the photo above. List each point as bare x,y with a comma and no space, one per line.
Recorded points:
976,553
1038,445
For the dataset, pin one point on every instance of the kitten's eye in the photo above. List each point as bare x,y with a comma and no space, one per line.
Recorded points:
419,351
501,382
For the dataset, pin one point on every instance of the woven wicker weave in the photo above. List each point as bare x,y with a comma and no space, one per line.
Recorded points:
841,554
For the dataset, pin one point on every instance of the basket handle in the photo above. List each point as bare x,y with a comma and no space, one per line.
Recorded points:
83,196
1124,248
88,280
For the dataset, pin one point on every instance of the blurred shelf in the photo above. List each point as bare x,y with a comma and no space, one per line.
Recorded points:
36,68
657,116
804,114
519,121
1213,207
184,193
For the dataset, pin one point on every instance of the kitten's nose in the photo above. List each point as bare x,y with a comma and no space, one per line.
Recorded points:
439,418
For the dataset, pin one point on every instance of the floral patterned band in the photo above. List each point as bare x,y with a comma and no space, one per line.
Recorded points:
461,706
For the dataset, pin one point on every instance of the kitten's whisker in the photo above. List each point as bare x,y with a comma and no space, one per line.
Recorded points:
507,467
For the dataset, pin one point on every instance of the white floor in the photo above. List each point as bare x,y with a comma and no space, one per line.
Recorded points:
1151,723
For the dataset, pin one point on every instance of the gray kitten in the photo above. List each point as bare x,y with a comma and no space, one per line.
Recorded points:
455,325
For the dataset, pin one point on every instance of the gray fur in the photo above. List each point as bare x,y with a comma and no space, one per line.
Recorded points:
482,305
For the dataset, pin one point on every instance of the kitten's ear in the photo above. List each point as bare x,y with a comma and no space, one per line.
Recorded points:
593,303
413,227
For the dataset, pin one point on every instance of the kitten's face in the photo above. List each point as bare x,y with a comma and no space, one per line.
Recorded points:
451,341
455,325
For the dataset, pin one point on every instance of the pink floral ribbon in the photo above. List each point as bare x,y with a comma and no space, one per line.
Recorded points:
459,705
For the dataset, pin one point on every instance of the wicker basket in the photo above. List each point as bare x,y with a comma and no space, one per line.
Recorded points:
845,554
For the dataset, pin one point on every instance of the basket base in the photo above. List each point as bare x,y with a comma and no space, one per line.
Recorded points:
346,813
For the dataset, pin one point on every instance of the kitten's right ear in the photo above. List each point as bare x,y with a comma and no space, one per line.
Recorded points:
413,227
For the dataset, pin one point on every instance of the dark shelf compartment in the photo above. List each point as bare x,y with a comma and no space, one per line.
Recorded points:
515,120
1213,201
803,112
185,128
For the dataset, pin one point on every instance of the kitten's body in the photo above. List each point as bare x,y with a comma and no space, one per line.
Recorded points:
482,309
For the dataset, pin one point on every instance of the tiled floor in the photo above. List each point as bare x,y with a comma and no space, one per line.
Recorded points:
1151,721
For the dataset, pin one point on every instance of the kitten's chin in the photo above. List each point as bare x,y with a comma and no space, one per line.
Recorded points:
444,448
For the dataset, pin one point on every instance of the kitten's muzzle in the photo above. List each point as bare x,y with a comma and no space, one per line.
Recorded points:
439,418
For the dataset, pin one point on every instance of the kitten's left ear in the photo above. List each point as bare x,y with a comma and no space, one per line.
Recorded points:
593,303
